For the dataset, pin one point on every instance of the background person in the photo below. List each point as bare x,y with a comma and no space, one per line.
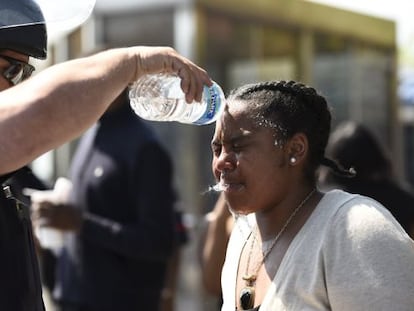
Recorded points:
219,223
121,211
169,291
215,233
354,145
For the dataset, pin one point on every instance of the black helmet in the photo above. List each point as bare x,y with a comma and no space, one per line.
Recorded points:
23,28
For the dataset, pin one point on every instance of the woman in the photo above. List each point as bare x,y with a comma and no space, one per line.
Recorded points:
353,145
299,248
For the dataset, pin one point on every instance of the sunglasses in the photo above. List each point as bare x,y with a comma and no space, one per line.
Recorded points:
17,70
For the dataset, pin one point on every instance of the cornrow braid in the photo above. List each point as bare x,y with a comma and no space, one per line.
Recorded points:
291,107
291,87
338,169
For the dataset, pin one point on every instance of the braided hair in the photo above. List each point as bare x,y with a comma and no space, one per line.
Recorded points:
291,107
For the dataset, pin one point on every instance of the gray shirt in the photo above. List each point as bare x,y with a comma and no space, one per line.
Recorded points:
351,254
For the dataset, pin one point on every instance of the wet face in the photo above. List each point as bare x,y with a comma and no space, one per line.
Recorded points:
4,64
253,173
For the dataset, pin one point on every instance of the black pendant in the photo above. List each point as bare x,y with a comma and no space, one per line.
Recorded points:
247,298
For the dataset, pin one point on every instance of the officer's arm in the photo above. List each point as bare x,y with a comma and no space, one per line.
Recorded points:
61,102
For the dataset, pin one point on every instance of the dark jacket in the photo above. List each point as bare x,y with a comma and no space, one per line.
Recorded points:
122,180
20,287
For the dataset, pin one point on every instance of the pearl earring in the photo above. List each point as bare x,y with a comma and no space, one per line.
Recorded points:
292,160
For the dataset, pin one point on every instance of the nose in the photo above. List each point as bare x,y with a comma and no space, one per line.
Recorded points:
226,161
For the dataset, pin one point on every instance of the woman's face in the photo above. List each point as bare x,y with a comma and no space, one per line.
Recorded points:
252,171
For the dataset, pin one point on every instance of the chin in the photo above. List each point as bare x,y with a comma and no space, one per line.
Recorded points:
239,207
243,212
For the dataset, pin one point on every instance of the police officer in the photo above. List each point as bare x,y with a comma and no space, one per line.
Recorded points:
47,110
20,287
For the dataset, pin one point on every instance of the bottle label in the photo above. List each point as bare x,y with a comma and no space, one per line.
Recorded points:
213,100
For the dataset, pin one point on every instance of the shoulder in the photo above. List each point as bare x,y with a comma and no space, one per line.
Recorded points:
364,242
339,202
359,221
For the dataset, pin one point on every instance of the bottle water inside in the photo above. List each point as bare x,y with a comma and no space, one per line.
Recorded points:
158,97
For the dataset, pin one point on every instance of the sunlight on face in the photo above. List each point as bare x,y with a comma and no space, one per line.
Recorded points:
249,168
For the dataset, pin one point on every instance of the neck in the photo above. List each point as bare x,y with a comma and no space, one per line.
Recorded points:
270,221
288,227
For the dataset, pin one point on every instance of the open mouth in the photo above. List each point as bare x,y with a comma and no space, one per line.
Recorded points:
217,187
228,186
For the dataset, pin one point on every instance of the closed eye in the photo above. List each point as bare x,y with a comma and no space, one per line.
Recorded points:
237,147
216,148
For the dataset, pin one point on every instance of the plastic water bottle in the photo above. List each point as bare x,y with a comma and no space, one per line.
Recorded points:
158,97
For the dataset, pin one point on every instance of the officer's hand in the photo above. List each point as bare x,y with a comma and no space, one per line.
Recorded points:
165,59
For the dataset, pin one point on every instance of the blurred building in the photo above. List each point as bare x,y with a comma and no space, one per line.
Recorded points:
350,57
406,97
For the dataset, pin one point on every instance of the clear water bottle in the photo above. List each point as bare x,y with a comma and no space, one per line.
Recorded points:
158,97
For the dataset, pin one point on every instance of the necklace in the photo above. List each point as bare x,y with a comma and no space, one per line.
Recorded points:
247,294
